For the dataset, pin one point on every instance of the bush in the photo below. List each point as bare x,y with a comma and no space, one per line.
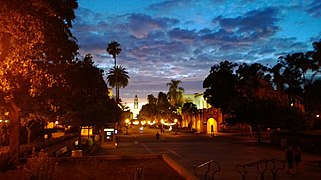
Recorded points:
39,166
6,162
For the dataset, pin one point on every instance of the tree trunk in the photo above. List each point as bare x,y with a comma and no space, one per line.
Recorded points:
117,93
29,135
14,147
259,139
79,137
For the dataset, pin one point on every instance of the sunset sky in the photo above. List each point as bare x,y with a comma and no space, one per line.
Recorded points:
181,39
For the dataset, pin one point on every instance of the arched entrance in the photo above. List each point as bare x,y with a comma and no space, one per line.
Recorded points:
211,126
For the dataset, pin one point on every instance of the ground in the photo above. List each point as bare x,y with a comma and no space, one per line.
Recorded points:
155,169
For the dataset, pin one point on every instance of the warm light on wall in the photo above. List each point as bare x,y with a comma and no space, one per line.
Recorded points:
168,124
151,123
136,122
143,122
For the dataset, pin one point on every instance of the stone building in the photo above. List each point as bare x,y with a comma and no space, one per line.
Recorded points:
208,120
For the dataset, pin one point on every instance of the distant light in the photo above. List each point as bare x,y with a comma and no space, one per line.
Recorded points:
56,122
151,123
6,121
109,129
0,120
317,115
291,104
141,128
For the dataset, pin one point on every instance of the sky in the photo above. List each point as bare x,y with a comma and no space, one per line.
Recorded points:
162,40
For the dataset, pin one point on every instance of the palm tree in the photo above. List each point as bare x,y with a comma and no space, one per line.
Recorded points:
117,77
114,49
175,93
189,109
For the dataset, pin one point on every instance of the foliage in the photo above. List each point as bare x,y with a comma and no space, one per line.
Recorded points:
220,86
189,109
6,162
84,96
175,93
247,95
114,49
34,40
117,77
39,166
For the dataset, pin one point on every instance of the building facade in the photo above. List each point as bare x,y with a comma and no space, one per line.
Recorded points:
208,120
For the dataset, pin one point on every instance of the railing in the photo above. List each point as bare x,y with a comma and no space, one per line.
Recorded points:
273,165
214,168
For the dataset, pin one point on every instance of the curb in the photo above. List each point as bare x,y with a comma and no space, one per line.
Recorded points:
178,168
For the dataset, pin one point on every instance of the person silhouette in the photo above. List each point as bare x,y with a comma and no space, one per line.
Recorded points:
289,159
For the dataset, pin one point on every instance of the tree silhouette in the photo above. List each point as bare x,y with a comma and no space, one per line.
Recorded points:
114,49
175,93
117,77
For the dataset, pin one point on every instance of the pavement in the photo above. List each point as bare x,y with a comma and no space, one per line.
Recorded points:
188,150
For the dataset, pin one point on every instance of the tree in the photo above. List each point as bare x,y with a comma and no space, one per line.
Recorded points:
220,86
84,99
118,77
163,106
293,74
113,49
34,38
149,110
175,93
316,57
189,109
151,99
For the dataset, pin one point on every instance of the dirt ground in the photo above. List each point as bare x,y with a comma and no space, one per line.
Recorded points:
155,169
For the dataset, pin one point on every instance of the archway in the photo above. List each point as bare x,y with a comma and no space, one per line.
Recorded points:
211,126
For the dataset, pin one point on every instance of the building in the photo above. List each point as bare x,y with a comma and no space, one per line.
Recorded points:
136,108
208,120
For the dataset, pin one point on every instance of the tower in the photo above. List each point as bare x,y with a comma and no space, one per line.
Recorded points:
136,107
136,102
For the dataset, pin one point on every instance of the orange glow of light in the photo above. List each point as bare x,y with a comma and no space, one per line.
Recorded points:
151,123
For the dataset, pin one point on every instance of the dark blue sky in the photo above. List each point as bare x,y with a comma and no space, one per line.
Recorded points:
181,39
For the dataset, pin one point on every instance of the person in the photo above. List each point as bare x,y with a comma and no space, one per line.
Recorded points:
297,157
289,159
157,136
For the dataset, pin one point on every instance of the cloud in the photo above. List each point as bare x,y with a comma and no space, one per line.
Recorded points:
249,28
170,5
182,39
183,35
314,8
140,25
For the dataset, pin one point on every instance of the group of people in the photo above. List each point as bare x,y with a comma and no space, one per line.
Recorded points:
293,158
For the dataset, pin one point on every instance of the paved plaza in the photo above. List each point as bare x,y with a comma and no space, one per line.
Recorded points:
189,149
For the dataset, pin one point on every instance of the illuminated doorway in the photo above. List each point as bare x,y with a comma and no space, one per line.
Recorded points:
211,126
